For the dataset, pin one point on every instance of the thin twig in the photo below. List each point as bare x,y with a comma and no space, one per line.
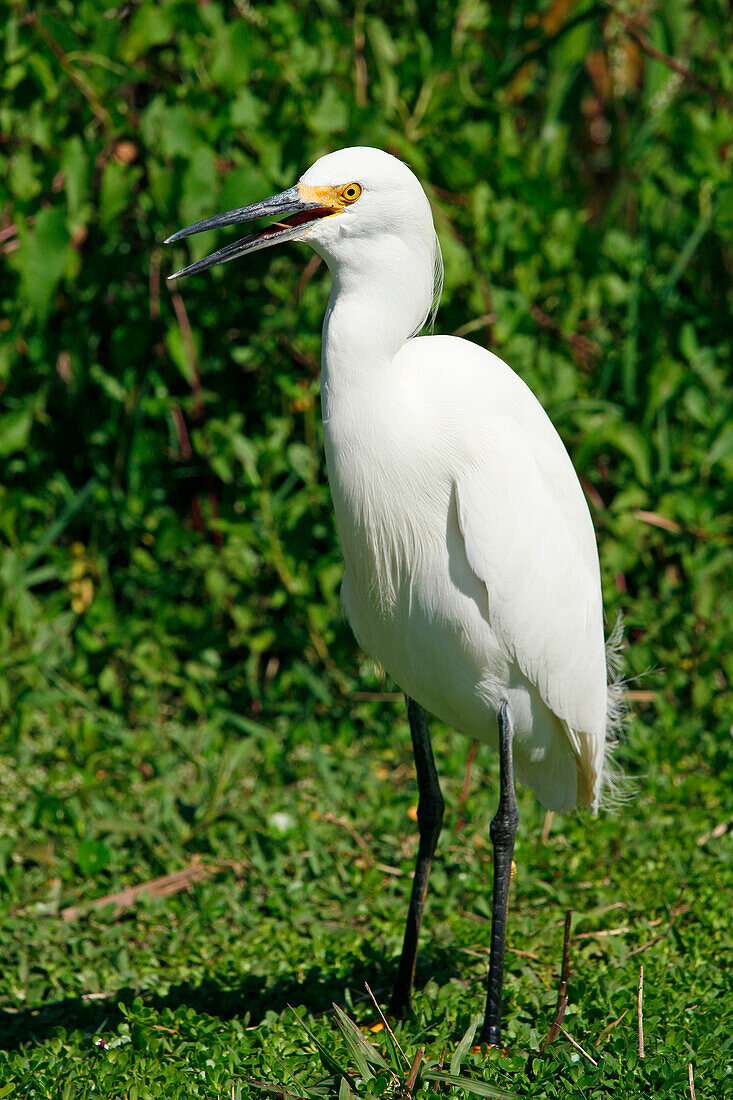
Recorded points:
546,826
555,1029
99,111
691,1079
562,990
154,284
308,272
157,887
578,1047
388,870
650,943
190,346
524,954
640,1011
273,1092
640,695
334,819
562,993
184,441
386,1024
476,323
672,913
653,519
587,350
601,932
198,406
609,1028
414,1069
472,750
300,358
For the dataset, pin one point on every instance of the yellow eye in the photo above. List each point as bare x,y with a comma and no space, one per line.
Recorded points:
351,192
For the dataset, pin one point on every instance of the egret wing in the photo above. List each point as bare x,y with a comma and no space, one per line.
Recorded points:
529,538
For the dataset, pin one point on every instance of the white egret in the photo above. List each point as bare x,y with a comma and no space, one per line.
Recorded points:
472,572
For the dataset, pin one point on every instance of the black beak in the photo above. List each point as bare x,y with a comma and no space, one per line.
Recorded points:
300,212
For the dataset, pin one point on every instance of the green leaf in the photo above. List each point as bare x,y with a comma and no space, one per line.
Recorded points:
330,1064
92,856
330,114
633,443
468,1084
151,26
75,166
362,1050
464,1046
180,352
118,184
15,428
42,259
24,177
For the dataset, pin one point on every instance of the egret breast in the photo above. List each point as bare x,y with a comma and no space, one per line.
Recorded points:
413,602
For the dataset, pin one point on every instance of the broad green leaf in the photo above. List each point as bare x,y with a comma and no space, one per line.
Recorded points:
42,259
150,26
15,428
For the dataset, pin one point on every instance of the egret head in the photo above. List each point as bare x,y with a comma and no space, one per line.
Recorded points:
361,209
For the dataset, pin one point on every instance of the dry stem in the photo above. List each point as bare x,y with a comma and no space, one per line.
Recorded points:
562,992
640,1011
386,1024
578,1047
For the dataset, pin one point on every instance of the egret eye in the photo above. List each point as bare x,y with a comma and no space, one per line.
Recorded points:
351,192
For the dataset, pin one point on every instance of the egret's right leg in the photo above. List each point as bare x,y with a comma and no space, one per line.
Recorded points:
503,831
430,819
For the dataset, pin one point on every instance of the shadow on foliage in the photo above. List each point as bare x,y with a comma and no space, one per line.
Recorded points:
253,998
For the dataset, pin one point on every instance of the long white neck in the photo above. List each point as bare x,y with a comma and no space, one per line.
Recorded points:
381,294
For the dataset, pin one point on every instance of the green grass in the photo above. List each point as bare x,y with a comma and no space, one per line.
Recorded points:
307,826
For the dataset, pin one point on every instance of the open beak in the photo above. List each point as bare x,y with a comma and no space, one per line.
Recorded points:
300,211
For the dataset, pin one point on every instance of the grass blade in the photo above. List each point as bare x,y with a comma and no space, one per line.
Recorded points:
463,1047
329,1062
57,528
362,1051
469,1084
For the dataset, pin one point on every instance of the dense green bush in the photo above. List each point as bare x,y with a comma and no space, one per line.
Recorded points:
166,531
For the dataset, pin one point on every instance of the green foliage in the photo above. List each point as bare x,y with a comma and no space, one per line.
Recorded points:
176,680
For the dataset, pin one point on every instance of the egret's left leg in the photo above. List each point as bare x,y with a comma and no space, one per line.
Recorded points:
430,819
503,830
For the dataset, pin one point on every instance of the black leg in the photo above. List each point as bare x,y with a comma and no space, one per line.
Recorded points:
503,831
429,818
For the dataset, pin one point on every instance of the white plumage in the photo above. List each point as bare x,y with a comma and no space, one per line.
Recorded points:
471,565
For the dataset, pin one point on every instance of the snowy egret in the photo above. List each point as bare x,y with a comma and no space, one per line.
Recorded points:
472,570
